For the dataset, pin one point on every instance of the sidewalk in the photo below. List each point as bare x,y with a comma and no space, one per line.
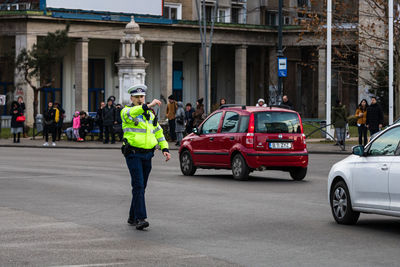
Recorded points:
314,146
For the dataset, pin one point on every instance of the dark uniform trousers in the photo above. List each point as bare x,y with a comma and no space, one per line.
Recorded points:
139,165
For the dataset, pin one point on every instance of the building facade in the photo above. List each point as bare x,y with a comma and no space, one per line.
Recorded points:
243,55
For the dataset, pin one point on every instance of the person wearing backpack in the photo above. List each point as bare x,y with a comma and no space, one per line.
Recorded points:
339,120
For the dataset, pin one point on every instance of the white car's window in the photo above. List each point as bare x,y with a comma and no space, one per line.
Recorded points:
211,125
231,122
386,144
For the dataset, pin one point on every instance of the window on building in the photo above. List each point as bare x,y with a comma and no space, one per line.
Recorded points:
223,15
271,18
303,3
172,11
235,14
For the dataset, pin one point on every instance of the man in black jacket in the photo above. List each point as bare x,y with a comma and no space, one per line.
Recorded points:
374,117
108,121
86,125
99,120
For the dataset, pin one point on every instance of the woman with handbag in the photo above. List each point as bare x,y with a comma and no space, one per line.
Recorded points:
17,121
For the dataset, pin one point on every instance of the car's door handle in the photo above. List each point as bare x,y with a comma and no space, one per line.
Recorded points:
232,138
211,138
384,167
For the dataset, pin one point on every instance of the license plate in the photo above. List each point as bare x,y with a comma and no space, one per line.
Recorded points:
279,145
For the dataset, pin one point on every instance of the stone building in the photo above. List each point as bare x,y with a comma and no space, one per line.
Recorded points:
243,55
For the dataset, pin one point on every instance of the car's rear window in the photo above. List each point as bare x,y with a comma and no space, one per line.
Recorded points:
276,122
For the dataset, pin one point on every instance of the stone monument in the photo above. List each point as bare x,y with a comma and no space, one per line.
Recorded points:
131,65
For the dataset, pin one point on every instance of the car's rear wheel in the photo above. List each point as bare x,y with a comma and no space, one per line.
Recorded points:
340,200
186,162
240,170
298,174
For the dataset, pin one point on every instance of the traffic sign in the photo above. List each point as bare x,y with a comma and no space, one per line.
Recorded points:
282,66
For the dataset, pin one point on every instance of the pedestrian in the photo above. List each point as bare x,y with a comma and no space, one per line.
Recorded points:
76,125
17,121
118,122
189,118
141,135
361,114
339,120
261,103
286,102
86,125
171,113
198,114
179,123
374,117
59,125
222,101
21,103
108,121
99,120
50,124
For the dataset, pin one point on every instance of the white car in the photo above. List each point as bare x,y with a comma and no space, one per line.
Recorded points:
367,181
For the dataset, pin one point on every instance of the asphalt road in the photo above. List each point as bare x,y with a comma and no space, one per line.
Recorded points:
69,208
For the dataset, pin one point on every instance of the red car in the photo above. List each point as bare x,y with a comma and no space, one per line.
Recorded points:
246,139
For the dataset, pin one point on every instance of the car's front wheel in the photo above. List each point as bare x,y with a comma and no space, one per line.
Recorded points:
340,200
186,162
298,174
240,170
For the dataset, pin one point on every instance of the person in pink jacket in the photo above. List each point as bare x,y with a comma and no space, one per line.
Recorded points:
76,125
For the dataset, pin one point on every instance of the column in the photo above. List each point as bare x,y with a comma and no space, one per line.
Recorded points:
81,74
166,64
322,83
273,76
240,74
201,88
25,41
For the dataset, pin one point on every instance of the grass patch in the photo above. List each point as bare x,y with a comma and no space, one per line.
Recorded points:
310,128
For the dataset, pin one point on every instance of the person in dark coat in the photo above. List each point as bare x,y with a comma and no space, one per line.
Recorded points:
189,118
198,115
60,122
99,120
21,103
86,125
16,127
108,121
50,124
286,102
339,120
374,117
118,122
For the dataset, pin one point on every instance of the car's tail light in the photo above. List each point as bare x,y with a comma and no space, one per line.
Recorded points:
250,132
303,136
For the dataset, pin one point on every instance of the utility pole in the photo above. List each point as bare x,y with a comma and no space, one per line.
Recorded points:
206,45
391,62
279,52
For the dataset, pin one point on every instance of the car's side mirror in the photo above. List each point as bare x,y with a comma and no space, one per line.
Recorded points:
196,131
358,150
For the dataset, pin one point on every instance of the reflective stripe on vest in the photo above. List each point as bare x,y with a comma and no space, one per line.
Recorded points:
157,129
135,130
161,139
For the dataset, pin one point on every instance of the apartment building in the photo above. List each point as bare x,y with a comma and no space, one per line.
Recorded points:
243,54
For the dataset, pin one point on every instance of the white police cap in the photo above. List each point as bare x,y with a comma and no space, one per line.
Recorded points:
139,89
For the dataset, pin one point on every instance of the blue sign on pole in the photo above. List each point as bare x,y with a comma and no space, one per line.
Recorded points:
282,66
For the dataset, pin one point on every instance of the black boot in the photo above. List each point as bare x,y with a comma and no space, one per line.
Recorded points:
19,135
141,224
15,136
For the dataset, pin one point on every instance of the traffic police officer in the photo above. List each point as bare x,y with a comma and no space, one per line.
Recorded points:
141,134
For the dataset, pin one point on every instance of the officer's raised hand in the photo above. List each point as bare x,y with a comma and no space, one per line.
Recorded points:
154,102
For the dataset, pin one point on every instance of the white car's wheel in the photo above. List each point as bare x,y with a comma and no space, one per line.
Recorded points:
341,208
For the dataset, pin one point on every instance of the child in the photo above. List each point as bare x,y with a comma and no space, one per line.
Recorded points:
76,125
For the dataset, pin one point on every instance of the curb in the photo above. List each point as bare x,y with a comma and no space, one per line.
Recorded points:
172,148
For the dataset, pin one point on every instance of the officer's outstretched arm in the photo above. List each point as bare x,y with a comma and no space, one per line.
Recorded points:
162,142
